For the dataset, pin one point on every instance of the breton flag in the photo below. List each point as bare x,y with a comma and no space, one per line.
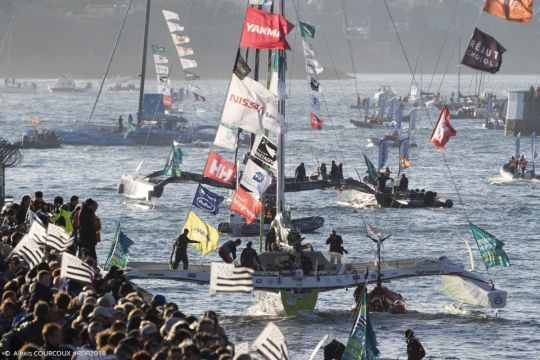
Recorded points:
265,31
37,232
75,269
442,130
174,27
491,249
188,63
58,238
483,53
316,122
30,251
169,15
228,278
513,10
271,344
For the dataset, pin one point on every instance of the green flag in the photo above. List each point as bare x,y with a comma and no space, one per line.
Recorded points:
157,49
362,344
371,171
491,249
307,30
119,256
173,166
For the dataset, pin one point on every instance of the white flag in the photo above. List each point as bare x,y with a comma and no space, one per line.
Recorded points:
160,59
37,233
264,150
277,87
31,252
255,178
74,268
313,66
309,51
228,278
226,138
260,2
174,27
188,63
162,70
315,102
180,39
192,87
273,120
169,15
271,344
184,51
58,238
245,104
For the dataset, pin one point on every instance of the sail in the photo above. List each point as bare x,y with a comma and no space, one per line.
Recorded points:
473,291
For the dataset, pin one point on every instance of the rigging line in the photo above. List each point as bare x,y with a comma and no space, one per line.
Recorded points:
464,209
450,22
108,65
448,65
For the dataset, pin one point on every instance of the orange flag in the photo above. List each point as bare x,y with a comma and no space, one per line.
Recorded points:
34,120
512,10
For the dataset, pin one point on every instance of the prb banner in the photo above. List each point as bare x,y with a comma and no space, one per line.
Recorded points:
484,53
265,31
219,169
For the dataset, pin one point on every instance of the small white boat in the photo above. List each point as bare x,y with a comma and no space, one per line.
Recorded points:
66,84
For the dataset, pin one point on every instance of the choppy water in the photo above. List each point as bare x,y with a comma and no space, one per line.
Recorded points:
508,210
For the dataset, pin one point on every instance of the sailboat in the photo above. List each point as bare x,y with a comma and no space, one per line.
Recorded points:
294,269
514,172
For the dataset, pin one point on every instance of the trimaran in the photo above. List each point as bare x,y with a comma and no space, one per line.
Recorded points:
299,273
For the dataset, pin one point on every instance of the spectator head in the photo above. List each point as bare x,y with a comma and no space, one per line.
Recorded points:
61,300
38,195
44,278
93,329
123,352
142,355
28,349
237,242
158,300
58,201
119,325
52,334
116,337
41,310
26,200
74,200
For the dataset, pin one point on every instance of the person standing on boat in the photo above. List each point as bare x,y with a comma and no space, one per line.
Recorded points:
249,257
333,171
403,183
523,165
180,249
300,173
336,247
415,350
512,165
120,124
227,251
270,240
322,172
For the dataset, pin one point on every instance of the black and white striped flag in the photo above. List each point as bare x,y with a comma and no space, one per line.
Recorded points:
58,238
271,344
37,233
74,268
228,278
31,252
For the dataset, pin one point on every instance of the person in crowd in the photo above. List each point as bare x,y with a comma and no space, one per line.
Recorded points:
38,203
334,171
61,214
270,240
523,165
180,249
249,257
334,350
227,251
512,165
403,183
336,247
415,350
53,348
73,202
26,202
89,229
300,173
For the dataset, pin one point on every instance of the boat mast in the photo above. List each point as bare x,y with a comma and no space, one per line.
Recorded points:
459,68
280,183
143,66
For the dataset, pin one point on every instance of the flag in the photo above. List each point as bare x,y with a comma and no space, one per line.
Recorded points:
226,138
160,59
119,256
272,119
58,238
314,84
75,269
404,161
228,278
167,100
513,10
412,120
372,172
307,30
255,178
174,27
271,344
192,87
169,15
162,70
260,2
314,102
207,200
383,153
199,97
265,31
30,251
484,53
491,249
183,51
362,343
191,76
313,66
34,121
219,169
245,104
309,50
173,166
206,235
316,122
277,86
180,39
156,49
37,232
188,63
245,205
241,67
265,150
442,130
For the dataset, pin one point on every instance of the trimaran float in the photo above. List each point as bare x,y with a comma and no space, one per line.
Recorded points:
296,271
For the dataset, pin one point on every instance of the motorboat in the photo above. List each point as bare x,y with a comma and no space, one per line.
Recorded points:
67,85
37,139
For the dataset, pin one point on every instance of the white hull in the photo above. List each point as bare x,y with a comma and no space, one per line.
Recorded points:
136,188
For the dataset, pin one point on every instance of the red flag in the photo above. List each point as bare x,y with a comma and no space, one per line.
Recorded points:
167,101
443,130
316,122
513,10
219,169
265,31
246,205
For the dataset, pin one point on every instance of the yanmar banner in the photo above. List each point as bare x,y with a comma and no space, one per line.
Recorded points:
483,53
265,31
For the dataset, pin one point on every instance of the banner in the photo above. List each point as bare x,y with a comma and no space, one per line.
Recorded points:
265,31
120,254
199,97
226,138
255,178
491,249
277,87
173,166
245,104
180,39
512,10
260,2
314,102
314,84
174,27
307,30
162,70
183,51
245,205
372,172
207,200
273,120
264,150
316,122
484,53
518,145
313,66
156,49
191,76
169,15
206,235
160,59
188,63
412,120
219,169
443,130
241,67
309,51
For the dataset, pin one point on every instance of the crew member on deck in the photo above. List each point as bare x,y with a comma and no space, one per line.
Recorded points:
227,251
270,240
403,183
300,173
120,124
180,249
249,257
336,247
523,165
512,165
415,350
322,172
334,171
